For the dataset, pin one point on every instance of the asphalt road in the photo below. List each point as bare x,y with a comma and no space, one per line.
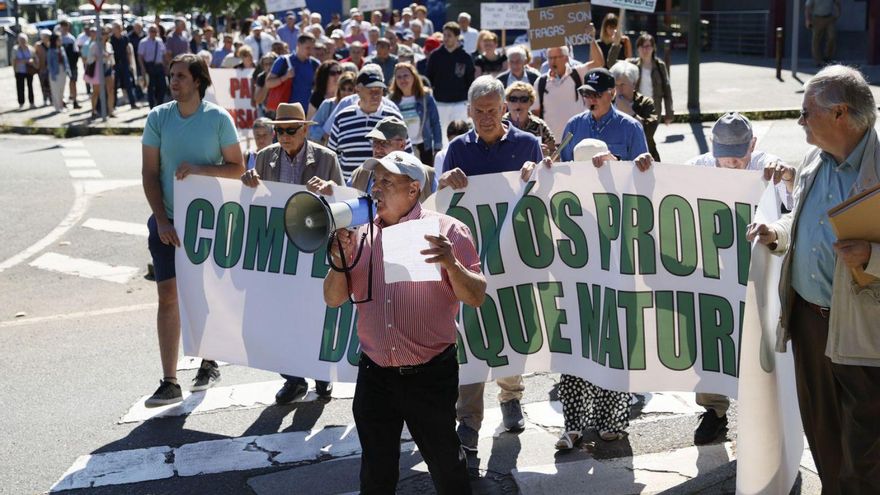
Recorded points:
79,345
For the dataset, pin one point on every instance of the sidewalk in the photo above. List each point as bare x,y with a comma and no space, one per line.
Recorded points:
727,82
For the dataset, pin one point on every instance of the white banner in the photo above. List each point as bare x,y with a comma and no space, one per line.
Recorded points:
638,5
635,281
231,89
371,5
508,15
284,5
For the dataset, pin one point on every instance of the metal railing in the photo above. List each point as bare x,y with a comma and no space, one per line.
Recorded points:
738,32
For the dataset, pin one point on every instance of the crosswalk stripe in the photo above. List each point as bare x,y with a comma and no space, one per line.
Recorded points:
85,268
74,152
88,173
80,163
73,143
130,228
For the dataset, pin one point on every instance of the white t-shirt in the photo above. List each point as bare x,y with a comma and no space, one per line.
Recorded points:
758,161
407,108
646,86
469,40
560,103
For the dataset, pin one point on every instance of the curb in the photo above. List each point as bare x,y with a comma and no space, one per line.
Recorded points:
71,131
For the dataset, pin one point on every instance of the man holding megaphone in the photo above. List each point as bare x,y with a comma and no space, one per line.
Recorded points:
294,160
408,370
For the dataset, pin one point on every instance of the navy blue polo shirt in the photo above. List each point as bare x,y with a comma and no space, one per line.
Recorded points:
474,157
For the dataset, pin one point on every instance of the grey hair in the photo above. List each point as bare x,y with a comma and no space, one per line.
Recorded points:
842,85
414,22
485,85
516,50
262,123
626,70
465,15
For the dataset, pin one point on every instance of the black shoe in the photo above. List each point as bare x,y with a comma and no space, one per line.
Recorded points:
511,412
324,389
468,437
207,376
76,105
290,392
711,427
167,393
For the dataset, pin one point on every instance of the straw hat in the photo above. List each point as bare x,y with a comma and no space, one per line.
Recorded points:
290,113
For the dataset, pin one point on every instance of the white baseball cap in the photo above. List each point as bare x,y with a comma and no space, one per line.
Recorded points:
400,163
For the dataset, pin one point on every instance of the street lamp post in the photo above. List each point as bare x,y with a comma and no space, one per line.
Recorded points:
694,38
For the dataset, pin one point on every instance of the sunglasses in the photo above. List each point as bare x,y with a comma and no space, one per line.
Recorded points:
290,131
518,99
590,94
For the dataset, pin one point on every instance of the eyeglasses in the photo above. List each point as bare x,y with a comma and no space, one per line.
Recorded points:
518,99
804,115
590,94
290,131
380,143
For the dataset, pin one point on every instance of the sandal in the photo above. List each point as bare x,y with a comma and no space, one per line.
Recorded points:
610,436
568,440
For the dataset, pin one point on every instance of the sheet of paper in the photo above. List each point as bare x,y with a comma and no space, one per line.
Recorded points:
401,245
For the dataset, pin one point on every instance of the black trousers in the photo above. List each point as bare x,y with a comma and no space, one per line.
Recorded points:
20,81
384,399
124,80
157,88
840,409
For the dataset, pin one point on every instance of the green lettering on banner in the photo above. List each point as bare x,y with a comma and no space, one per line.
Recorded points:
354,344
198,249
523,328
743,246
609,347
607,215
590,310
676,347
678,236
554,316
634,305
637,224
464,216
319,262
230,235
486,339
716,233
291,258
490,230
265,239
459,344
337,328
531,229
716,328
572,251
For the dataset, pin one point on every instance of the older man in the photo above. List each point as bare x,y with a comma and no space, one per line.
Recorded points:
408,370
830,320
384,58
259,42
492,146
289,32
558,98
295,160
519,71
468,33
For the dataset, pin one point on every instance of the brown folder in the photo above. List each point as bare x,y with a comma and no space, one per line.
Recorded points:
858,218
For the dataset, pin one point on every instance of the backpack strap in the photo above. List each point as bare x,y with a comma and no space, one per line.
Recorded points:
576,77
542,88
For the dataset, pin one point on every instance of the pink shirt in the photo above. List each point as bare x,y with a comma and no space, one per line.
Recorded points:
408,323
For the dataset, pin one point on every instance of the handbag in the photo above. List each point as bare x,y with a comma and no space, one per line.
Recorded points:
90,69
281,93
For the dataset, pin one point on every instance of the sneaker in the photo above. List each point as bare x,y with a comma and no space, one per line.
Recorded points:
324,389
511,411
468,437
291,391
711,427
610,436
76,105
167,393
207,376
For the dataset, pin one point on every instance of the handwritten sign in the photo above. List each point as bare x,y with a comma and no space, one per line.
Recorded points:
284,5
561,25
504,16
231,89
370,5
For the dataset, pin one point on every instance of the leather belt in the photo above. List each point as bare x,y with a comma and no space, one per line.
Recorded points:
822,311
447,353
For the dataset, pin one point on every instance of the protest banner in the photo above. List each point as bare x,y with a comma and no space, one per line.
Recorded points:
507,15
231,89
284,5
371,5
634,281
560,25
637,5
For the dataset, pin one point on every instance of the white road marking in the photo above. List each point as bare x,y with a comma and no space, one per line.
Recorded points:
245,396
77,316
88,173
115,468
99,186
130,228
75,153
80,163
85,268
75,143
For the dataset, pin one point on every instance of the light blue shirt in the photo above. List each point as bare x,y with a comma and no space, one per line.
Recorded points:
623,134
316,132
288,36
197,139
813,258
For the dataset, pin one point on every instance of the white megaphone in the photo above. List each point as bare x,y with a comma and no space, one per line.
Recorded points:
309,219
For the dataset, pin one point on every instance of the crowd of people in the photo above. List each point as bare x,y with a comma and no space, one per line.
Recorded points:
400,110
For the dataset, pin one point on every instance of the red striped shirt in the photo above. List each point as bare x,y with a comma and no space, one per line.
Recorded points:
408,323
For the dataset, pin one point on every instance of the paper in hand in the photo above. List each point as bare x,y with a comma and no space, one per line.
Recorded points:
401,246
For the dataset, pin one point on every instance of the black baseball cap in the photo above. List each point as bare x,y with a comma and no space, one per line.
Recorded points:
598,81
371,80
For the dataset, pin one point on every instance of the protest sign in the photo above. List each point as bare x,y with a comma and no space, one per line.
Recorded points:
508,15
231,89
560,25
638,5
284,5
370,5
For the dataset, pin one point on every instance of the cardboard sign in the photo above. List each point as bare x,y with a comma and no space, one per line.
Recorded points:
504,15
284,5
370,5
561,25
639,5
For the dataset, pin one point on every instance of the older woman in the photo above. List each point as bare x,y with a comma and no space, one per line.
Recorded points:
25,67
520,96
633,103
653,80
490,59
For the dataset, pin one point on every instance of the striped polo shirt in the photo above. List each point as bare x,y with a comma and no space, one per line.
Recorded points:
408,323
348,136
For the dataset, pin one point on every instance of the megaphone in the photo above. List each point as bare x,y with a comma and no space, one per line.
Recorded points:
309,219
